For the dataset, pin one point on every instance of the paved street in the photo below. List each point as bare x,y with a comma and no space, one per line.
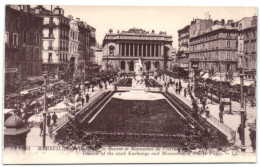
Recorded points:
231,120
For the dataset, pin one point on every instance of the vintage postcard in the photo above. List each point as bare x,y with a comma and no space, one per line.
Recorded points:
129,84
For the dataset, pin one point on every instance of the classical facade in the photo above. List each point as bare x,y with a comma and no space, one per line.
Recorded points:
247,48
55,41
120,50
215,49
23,40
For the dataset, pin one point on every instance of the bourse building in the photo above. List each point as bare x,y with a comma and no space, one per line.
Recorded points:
121,50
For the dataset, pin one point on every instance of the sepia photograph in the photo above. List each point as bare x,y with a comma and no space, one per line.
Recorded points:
129,84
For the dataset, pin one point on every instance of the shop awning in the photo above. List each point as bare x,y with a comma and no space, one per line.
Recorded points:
205,76
236,81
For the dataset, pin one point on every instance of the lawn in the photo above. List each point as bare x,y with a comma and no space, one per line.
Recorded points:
141,117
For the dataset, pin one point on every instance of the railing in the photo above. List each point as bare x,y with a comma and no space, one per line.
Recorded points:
63,120
227,129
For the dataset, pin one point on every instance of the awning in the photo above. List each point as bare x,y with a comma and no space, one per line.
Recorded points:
218,78
9,110
35,79
205,76
236,81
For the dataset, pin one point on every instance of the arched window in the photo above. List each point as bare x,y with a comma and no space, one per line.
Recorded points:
228,44
111,50
122,65
131,66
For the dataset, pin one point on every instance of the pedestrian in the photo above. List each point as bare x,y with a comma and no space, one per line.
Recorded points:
207,112
105,85
48,119
87,98
54,118
239,131
221,117
191,87
41,127
82,100
221,107
252,136
204,100
185,92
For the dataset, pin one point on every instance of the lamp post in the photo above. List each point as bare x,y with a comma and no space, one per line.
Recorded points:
44,112
242,111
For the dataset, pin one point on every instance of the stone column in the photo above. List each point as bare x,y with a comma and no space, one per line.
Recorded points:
159,50
151,50
134,50
154,51
146,49
142,50
162,50
120,49
137,50
125,50
129,49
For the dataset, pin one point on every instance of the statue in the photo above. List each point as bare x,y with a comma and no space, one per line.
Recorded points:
138,70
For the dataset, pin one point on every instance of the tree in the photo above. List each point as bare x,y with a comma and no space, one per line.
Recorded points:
74,136
68,73
15,83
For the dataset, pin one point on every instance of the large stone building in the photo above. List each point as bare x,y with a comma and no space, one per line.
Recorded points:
215,48
98,55
247,46
73,42
92,44
182,59
23,40
121,50
55,51
84,34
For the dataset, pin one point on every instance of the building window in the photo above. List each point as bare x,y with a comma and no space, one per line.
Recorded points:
7,38
50,57
111,50
228,34
15,39
228,55
228,44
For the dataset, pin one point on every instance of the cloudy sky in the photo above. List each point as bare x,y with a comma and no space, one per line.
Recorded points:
169,19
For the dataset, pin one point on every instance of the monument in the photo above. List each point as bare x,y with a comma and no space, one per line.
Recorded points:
138,82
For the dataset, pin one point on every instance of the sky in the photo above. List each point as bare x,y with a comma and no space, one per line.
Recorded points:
169,19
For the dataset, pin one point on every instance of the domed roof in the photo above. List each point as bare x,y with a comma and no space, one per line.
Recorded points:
14,121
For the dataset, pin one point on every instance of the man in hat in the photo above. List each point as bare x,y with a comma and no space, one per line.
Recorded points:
48,119
87,98
221,117
54,118
252,136
207,111
41,127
